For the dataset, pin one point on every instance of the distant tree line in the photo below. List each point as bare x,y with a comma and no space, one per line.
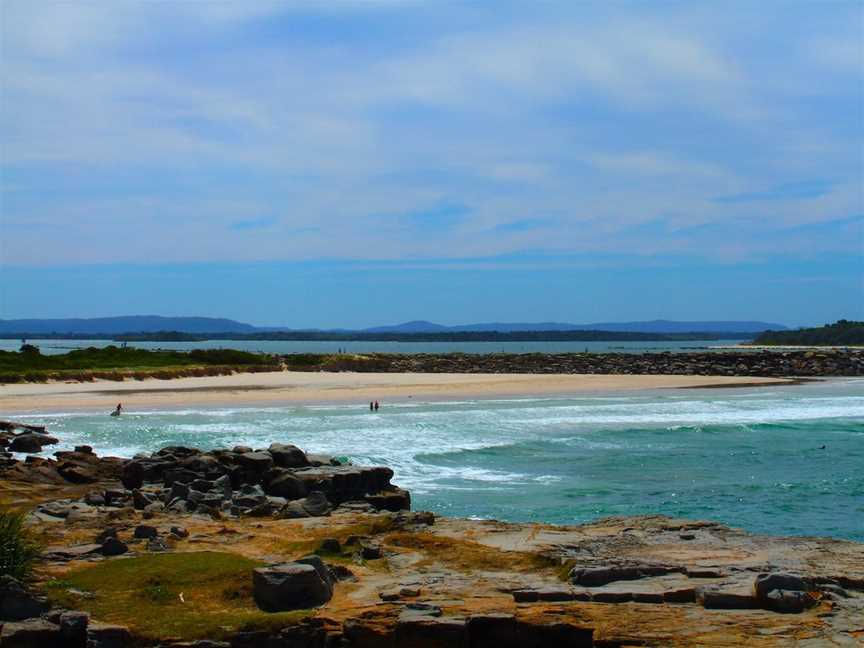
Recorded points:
840,333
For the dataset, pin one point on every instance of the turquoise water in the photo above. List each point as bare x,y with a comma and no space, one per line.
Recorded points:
49,347
746,457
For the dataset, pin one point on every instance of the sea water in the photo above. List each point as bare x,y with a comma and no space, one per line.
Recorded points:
51,347
780,460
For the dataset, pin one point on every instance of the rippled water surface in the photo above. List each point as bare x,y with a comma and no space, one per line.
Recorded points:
747,457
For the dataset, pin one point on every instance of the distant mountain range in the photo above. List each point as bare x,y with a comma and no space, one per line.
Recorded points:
654,326
205,325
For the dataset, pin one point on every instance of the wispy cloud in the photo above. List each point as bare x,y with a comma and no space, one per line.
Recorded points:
794,191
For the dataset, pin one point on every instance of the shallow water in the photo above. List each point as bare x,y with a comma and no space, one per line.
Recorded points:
745,457
50,347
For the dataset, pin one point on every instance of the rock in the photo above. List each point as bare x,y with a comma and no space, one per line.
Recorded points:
84,449
73,628
112,546
16,603
255,462
330,545
284,484
541,635
95,498
145,531
32,633
109,532
425,630
241,449
722,598
103,635
323,570
315,504
288,456
78,474
370,552
30,442
179,532
75,552
789,601
766,583
290,586
599,576
156,545
394,500
492,630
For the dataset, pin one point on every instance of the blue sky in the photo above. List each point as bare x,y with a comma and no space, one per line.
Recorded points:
366,162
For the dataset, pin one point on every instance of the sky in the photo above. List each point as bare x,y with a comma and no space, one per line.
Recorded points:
355,163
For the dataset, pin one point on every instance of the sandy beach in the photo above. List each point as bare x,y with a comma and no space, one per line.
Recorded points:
303,387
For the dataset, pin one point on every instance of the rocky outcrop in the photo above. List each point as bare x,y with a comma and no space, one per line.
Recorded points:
281,480
829,362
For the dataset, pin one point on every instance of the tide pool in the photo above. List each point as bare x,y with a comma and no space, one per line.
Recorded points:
745,457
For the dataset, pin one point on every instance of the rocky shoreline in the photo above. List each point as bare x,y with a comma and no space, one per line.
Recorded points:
804,363
327,554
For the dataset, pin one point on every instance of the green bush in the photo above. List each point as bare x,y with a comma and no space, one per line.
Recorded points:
18,548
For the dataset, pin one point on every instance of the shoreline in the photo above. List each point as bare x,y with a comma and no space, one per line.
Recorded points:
292,388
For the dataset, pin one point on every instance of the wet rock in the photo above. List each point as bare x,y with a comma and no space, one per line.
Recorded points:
290,586
16,603
30,442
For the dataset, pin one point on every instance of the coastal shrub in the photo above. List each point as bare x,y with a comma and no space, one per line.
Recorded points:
18,548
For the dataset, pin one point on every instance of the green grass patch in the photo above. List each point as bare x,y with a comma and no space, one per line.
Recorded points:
144,593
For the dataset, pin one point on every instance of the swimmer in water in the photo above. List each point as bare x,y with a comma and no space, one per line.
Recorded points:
117,411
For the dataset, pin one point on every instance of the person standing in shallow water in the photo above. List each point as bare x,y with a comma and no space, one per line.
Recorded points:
376,406
371,406
117,411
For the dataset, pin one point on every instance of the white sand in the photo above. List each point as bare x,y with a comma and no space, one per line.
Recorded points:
292,387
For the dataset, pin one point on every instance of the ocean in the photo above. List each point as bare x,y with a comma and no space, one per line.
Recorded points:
779,460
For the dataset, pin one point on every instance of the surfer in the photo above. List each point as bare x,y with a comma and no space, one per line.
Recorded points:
117,411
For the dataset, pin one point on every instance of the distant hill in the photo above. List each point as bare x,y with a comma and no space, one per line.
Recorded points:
840,333
654,326
130,324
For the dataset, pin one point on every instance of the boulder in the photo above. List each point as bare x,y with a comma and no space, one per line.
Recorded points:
30,442
112,546
290,586
103,635
789,601
32,633
145,531
255,462
282,483
767,582
394,500
288,456
73,628
16,603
